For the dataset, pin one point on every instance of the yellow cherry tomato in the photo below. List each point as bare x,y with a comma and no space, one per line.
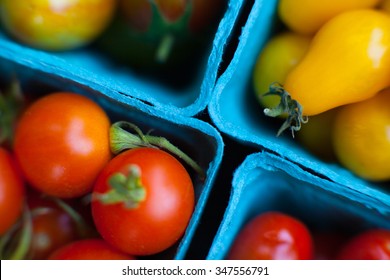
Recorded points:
56,24
361,137
316,135
281,53
348,61
307,16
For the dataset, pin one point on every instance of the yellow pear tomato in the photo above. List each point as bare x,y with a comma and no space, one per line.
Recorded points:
56,24
348,61
281,53
361,137
307,16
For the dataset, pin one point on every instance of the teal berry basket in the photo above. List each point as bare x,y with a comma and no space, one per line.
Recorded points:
90,65
198,139
236,112
267,182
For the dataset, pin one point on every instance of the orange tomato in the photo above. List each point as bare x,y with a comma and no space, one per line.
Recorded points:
62,143
361,137
12,192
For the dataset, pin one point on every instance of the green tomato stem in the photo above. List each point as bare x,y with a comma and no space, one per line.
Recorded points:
121,139
165,48
24,241
81,225
288,106
11,104
126,189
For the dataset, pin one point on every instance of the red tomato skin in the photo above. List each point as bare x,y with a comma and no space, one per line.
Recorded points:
370,245
273,236
62,143
89,249
158,221
12,191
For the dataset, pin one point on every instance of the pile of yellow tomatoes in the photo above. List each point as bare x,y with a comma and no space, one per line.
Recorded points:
327,75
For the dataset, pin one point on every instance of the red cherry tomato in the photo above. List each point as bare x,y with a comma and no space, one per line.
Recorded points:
62,143
51,229
89,249
157,219
12,193
273,236
370,245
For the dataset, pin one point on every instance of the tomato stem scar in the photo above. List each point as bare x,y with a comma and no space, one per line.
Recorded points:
122,139
126,189
288,106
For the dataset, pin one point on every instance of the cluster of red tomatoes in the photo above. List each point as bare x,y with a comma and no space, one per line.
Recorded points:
331,65
73,185
279,236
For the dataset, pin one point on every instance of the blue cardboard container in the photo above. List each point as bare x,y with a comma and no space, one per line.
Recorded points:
236,112
92,67
268,182
198,139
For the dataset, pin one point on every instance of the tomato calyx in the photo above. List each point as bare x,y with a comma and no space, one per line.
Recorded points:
121,139
288,106
11,104
126,189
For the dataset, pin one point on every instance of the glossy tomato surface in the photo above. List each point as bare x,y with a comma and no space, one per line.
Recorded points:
361,137
159,220
273,236
12,193
56,25
62,143
89,249
370,245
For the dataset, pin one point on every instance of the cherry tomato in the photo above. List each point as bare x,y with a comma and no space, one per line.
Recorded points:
89,249
51,229
370,245
361,137
62,143
56,24
158,201
273,236
12,192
